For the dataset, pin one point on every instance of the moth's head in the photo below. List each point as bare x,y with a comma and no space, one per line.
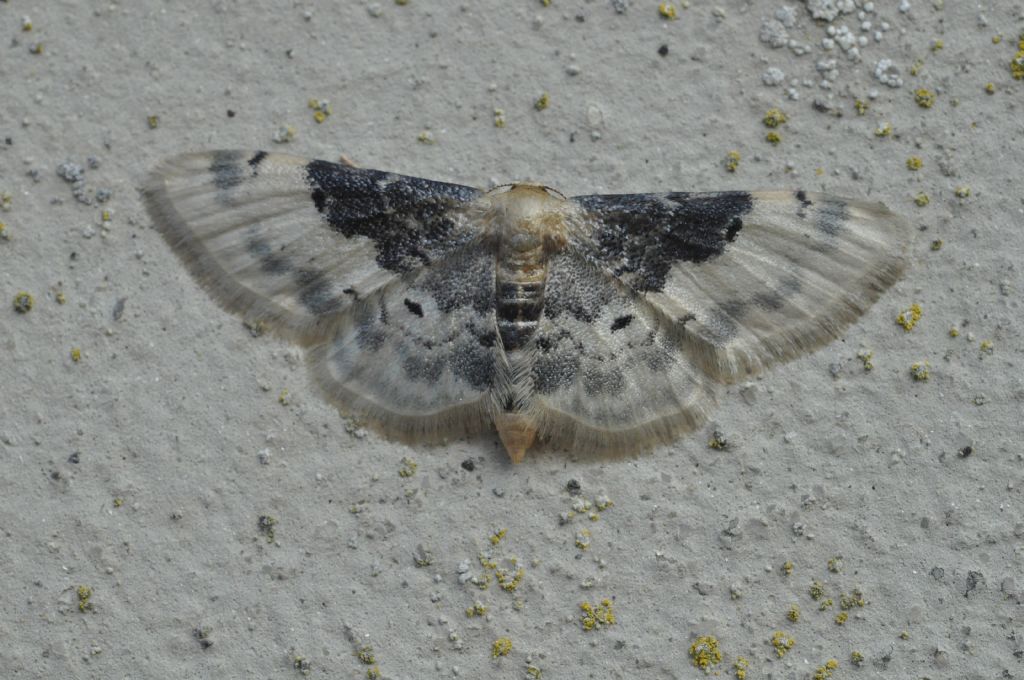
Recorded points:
533,212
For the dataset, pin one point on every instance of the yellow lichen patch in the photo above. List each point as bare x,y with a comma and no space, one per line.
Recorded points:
856,658
884,130
545,3
153,122
1017,63
740,667
84,598
36,48
825,671
732,161
583,539
835,564
542,102
478,609
266,524
916,67
925,98
937,44
282,397
426,137
118,502
909,317
61,298
602,503
794,613
499,118
914,163
773,137
365,654
497,536
533,672
904,635
962,192
996,39
954,332
704,652
373,673
922,199
937,244
509,581
23,302
854,599
920,371
408,468
718,441
787,567
816,591
773,118
782,643
667,10
321,109
865,356
990,88
860,106
76,354
987,346
841,618
501,647
825,604
595,616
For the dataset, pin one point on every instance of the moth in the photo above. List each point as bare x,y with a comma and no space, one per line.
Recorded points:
596,323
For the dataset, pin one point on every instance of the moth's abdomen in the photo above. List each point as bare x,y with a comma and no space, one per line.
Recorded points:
519,291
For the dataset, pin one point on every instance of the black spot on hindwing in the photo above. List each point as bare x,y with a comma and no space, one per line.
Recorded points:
255,161
414,307
226,168
621,322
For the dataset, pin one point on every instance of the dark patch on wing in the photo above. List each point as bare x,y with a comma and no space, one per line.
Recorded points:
473,360
270,262
801,196
255,161
598,381
369,336
227,171
575,288
557,363
423,367
315,291
641,236
410,220
621,322
414,307
832,216
466,280
487,339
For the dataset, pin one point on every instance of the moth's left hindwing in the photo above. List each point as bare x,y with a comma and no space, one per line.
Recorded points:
294,242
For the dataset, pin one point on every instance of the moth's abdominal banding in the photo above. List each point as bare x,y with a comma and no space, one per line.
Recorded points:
593,323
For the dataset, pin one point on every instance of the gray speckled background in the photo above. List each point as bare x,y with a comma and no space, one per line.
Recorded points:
171,405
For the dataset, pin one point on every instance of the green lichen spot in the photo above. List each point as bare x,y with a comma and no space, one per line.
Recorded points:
773,118
266,524
408,468
925,98
841,618
542,102
884,130
667,10
501,647
23,302
365,655
794,613
84,598
817,590
732,161
920,371
773,137
740,667
914,163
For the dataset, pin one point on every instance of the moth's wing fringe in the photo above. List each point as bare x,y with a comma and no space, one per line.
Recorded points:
204,268
560,430
437,427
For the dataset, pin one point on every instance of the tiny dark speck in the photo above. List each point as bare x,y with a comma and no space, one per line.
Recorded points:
255,161
119,308
801,196
74,458
621,322
414,307
468,465
9,141
231,113
663,50
734,228
966,451
573,487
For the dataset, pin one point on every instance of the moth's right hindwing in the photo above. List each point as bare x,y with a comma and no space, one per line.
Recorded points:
295,243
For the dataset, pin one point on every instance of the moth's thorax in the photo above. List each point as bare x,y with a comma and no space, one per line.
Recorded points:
528,217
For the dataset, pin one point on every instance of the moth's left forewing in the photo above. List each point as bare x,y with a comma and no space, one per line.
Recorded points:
755,278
